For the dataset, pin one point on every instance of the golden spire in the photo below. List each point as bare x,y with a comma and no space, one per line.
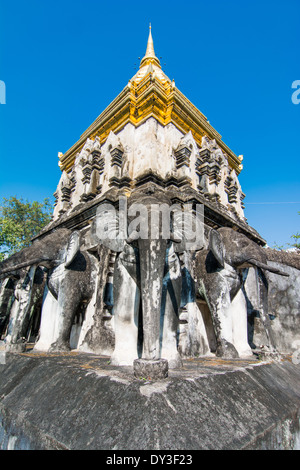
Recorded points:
150,56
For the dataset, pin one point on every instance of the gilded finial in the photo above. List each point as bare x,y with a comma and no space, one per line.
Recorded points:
150,54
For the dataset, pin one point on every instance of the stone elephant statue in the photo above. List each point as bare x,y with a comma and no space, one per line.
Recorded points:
221,271
25,306
7,288
147,279
70,279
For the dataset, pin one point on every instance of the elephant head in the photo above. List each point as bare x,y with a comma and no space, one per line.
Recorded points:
48,251
151,234
237,250
222,270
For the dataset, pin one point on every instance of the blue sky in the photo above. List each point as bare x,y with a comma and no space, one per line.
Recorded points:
64,61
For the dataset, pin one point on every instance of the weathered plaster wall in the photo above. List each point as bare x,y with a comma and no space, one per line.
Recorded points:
135,151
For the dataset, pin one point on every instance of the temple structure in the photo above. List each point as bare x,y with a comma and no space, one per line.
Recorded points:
192,326
152,133
143,300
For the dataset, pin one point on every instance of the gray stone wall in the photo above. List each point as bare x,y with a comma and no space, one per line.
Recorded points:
284,305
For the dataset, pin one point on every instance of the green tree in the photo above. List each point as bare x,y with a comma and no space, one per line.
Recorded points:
296,237
20,221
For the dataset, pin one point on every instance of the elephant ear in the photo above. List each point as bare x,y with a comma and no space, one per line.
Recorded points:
108,228
72,248
216,246
188,229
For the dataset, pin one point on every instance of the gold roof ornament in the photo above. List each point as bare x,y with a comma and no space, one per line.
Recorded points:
150,56
150,64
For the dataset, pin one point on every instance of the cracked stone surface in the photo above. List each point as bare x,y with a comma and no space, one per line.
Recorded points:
80,401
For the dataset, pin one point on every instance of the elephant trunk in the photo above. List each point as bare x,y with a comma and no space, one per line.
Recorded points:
262,289
152,262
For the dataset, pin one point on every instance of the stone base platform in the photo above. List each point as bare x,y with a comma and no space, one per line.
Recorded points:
79,401
153,370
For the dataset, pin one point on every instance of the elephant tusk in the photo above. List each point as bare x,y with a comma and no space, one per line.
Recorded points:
134,236
22,265
258,264
174,239
13,274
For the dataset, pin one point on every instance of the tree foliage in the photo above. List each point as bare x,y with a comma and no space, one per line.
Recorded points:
296,238
20,221
296,243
